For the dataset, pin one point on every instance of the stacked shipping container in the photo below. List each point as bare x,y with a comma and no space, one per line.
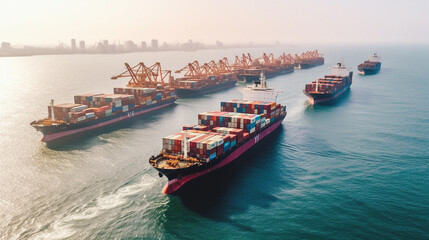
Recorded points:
200,144
267,110
248,122
329,83
206,81
97,105
369,65
227,129
147,96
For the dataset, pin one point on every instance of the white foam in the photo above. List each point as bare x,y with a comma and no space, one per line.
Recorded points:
63,228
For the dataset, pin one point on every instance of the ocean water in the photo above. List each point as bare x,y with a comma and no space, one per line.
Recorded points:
354,169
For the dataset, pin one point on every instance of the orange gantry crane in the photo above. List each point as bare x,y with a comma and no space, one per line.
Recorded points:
144,76
308,54
245,62
286,59
225,66
192,70
270,60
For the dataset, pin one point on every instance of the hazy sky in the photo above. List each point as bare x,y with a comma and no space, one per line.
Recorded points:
51,21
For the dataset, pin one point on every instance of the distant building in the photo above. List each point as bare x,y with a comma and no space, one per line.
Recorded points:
154,44
82,45
6,46
73,44
106,44
219,44
130,45
143,45
112,48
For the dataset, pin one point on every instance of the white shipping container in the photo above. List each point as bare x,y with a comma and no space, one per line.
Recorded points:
79,108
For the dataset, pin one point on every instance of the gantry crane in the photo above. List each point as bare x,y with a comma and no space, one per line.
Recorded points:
144,76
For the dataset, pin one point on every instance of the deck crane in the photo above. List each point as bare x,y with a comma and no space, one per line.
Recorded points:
245,62
144,76
225,66
268,59
210,68
286,59
192,70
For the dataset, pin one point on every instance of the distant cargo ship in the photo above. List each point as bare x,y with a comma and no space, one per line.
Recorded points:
309,59
370,66
209,77
249,69
331,86
220,138
197,86
93,111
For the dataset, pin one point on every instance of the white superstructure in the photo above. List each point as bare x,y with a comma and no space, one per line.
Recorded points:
260,92
374,58
340,70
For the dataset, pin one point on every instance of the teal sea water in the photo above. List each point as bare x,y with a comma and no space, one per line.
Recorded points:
355,169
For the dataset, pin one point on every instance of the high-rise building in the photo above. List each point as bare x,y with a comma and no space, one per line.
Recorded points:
6,46
73,44
130,45
154,44
143,45
106,44
82,45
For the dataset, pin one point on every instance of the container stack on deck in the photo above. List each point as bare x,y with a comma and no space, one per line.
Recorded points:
199,82
329,83
200,144
219,131
147,96
309,59
367,64
269,110
92,106
248,122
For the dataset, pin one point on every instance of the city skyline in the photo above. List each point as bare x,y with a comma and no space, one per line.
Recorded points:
333,21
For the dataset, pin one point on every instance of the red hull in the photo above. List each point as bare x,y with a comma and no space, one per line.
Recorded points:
175,184
53,136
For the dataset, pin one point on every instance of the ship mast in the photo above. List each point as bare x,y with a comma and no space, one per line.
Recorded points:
185,145
317,85
52,110
263,83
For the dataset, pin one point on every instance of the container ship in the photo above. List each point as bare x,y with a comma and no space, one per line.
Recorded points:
370,66
95,110
209,77
309,59
331,86
219,138
249,69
